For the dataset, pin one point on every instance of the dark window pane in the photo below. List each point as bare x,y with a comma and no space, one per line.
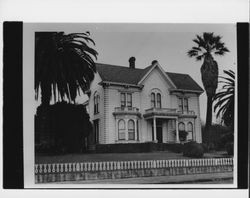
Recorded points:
152,100
180,104
185,104
129,100
123,100
158,100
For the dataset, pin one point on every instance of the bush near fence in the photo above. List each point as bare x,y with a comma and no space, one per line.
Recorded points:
138,147
193,149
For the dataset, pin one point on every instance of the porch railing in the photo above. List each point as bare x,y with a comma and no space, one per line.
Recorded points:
128,109
187,112
163,110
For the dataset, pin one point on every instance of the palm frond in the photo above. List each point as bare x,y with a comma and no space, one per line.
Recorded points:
225,98
65,62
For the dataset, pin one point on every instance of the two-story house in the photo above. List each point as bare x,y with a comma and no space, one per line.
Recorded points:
132,105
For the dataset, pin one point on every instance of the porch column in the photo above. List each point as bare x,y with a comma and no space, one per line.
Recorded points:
177,131
116,129
135,121
154,127
194,131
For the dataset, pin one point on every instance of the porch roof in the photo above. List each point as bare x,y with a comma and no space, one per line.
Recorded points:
161,113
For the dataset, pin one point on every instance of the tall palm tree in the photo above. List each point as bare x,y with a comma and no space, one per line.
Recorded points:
207,46
63,65
225,99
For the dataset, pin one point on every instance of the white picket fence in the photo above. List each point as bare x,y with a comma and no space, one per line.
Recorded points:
129,165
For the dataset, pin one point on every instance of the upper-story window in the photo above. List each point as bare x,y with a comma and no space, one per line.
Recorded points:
183,104
152,99
96,103
158,99
155,100
129,100
126,99
123,99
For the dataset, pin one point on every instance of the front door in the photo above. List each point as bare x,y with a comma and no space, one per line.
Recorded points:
159,132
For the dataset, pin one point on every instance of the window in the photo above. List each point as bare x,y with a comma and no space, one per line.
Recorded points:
131,130
190,131
121,130
123,100
152,99
158,98
129,100
180,104
96,103
126,100
181,126
185,104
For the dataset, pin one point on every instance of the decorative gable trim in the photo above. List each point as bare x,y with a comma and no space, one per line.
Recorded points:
108,83
162,71
185,91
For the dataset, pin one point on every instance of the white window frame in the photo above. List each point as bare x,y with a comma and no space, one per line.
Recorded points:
126,103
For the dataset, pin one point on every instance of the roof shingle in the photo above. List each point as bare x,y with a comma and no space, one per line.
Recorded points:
121,74
184,81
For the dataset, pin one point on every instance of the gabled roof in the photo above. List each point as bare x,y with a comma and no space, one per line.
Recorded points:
120,74
126,75
184,81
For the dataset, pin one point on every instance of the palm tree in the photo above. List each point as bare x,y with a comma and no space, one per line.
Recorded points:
63,65
225,99
207,46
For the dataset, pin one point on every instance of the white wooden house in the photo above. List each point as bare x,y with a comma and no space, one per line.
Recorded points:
132,105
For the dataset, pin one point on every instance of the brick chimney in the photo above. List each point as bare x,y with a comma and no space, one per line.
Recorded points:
154,61
132,62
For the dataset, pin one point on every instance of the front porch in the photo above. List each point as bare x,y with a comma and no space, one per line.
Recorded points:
163,130
163,126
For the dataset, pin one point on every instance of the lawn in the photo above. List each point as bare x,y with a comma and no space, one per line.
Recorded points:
160,155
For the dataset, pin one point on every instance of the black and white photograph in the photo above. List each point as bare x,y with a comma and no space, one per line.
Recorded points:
133,104
125,98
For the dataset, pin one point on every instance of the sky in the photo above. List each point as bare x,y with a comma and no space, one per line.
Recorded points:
167,43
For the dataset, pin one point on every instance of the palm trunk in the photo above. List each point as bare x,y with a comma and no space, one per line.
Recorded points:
209,74
209,112
208,117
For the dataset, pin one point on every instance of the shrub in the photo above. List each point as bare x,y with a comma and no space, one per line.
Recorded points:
226,138
183,135
138,147
176,148
193,149
63,125
216,133
205,147
230,148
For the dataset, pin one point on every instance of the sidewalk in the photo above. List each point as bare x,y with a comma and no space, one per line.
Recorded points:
219,178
